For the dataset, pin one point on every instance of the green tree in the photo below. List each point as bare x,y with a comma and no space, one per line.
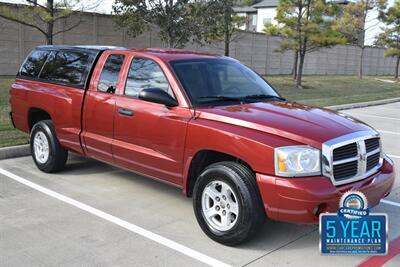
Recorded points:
42,17
175,19
289,44
390,37
219,21
306,26
352,23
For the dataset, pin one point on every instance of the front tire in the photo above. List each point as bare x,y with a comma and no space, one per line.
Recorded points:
227,203
46,150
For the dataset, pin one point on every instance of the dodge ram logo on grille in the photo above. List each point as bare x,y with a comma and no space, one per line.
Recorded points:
363,157
361,150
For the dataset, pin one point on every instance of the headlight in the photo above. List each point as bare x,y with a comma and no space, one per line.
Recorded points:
297,161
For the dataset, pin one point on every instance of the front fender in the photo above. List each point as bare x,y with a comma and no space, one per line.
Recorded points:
254,147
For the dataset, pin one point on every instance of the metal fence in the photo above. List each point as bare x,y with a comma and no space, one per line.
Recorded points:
253,49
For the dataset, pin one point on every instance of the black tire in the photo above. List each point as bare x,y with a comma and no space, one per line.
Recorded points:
57,156
251,215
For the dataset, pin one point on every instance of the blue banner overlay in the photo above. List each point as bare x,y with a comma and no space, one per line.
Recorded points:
364,235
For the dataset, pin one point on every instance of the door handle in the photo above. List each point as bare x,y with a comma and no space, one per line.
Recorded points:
126,112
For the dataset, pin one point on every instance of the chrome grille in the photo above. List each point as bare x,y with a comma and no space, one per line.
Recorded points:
351,157
345,152
373,160
372,144
345,170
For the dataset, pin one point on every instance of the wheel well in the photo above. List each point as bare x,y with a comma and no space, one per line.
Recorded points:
203,159
35,115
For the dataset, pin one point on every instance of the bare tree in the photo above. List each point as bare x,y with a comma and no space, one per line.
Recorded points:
43,16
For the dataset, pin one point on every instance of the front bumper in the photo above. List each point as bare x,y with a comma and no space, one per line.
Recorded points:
301,200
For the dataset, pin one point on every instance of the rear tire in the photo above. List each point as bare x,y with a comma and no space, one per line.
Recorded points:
46,150
227,203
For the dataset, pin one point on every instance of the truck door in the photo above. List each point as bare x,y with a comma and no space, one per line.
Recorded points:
149,137
99,106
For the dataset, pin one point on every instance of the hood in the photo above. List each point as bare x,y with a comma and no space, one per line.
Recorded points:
302,123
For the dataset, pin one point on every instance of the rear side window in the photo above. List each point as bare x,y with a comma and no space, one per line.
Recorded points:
67,67
34,63
110,73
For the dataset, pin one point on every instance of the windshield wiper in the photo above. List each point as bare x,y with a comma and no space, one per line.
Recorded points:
240,99
218,98
263,96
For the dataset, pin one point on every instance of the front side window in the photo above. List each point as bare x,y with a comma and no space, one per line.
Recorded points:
34,63
145,73
218,80
110,73
67,67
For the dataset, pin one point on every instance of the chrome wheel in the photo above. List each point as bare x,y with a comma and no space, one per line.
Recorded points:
219,206
41,147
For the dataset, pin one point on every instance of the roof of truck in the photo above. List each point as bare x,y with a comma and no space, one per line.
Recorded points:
89,47
165,54
168,54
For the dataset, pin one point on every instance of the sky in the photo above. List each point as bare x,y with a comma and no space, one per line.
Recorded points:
105,6
373,26
101,6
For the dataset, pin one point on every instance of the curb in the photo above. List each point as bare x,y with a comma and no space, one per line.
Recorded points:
364,104
14,151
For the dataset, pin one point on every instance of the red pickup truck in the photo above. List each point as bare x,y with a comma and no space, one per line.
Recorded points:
204,123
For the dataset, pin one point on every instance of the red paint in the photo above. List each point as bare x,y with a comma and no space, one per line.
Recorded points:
61,102
302,123
376,261
161,142
98,115
294,199
152,141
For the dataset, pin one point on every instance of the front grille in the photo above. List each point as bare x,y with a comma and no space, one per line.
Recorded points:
345,152
372,144
373,160
345,170
351,157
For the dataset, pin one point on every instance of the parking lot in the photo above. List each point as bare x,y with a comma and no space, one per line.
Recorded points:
96,214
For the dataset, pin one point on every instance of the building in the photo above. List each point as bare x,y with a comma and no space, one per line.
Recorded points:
264,11
259,13
251,14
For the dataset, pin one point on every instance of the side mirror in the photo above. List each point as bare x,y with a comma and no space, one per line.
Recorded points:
157,95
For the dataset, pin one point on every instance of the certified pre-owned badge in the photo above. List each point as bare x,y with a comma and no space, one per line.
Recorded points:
353,230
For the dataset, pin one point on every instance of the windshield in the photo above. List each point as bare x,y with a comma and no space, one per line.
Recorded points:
221,82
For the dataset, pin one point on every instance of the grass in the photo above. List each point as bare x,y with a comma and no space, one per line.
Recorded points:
318,91
336,90
8,135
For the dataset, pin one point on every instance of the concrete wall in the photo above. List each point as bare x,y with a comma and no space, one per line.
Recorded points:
254,49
